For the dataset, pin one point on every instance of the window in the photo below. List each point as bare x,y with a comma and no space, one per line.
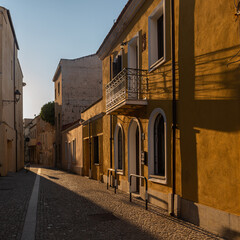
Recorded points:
119,147
74,150
117,65
58,88
156,36
160,37
157,147
120,141
96,150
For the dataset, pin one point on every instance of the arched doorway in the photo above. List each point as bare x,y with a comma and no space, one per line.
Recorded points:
134,153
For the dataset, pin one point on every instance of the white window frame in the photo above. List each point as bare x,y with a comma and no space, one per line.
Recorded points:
151,176
120,171
153,61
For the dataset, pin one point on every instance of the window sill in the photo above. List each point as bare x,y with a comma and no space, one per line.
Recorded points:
120,172
157,179
157,64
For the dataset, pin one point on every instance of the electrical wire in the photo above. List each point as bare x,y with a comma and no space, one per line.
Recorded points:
237,6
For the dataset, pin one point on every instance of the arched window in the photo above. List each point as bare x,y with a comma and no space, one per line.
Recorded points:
118,147
159,146
120,142
157,167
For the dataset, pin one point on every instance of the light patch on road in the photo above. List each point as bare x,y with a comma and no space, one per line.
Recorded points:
31,216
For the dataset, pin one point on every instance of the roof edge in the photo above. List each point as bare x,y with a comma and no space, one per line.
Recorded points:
11,25
125,17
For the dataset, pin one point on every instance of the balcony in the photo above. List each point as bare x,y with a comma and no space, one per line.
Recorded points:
127,91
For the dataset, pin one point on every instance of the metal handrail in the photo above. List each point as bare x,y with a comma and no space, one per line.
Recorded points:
130,84
115,178
146,188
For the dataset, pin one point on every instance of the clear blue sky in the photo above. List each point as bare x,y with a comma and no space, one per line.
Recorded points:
48,30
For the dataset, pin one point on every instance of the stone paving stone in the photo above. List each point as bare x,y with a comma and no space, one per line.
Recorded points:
75,207
15,192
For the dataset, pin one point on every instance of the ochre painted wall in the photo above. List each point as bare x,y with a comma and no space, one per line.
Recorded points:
208,104
208,119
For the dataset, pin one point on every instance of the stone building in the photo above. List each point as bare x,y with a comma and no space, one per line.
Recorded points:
27,122
32,143
45,143
82,143
11,105
77,84
40,145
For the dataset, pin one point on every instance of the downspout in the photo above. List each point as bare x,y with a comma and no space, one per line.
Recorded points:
110,138
14,108
90,149
110,141
173,108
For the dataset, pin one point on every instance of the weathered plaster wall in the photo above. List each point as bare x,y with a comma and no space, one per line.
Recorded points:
68,136
8,53
81,84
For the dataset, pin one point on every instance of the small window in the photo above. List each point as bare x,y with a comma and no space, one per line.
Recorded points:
74,150
160,37
120,142
96,150
159,146
117,65
58,88
118,148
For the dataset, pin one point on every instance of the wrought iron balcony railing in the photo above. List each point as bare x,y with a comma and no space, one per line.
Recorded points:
129,85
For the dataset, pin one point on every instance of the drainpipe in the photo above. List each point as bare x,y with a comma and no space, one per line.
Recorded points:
110,147
173,107
90,149
110,141
14,107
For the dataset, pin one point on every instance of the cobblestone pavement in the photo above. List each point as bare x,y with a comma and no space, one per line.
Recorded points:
15,192
74,207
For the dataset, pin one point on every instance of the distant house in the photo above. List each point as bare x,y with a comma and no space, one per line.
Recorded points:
82,143
27,123
77,84
11,104
39,147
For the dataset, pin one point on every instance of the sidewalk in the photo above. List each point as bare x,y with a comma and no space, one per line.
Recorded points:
75,207
15,192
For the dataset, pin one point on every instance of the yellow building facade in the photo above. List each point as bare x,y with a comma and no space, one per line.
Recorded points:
191,161
11,104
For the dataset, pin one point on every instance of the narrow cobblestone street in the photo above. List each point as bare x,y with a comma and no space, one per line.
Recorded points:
75,207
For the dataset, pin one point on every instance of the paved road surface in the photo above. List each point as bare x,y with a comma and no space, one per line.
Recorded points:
74,207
